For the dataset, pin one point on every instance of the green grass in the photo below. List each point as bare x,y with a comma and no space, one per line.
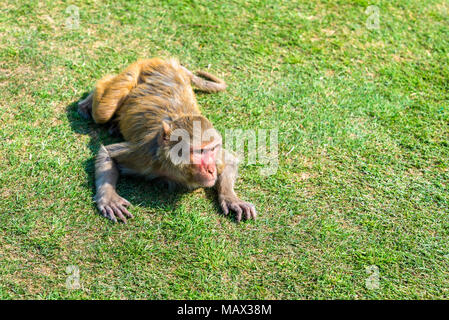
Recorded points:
363,152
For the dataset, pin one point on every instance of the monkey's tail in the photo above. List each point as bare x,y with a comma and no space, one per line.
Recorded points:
212,84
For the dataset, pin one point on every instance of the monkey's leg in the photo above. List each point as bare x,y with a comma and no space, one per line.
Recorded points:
110,204
110,92
226,195
103,112
85,106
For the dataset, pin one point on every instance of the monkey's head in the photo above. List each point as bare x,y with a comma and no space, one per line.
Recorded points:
191,145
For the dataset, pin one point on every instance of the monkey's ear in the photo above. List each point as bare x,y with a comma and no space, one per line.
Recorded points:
166,129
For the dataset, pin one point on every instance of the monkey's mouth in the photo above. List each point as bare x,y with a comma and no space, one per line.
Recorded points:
208,181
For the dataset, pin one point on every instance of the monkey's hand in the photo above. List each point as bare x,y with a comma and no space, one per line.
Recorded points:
240,207
112,206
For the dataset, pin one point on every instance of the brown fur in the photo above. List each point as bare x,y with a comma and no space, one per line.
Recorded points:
147,101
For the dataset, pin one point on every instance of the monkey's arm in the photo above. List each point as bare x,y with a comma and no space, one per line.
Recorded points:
225,186
110,204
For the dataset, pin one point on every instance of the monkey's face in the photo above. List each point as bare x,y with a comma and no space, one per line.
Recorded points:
203,163
191,144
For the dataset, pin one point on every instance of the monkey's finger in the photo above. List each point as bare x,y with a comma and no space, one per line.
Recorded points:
119,214
104,213
111,214
126,203
239,215
237,210
225,208
253,211
125,211
247,211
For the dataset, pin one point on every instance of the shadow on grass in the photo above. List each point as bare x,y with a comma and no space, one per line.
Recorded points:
139,191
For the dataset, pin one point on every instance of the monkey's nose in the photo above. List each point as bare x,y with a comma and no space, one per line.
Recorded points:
210,169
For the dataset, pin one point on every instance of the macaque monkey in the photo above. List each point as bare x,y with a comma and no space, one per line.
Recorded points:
152,104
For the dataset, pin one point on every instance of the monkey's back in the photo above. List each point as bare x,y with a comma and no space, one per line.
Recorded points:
163,91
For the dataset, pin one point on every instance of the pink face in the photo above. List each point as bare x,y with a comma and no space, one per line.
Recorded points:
204,160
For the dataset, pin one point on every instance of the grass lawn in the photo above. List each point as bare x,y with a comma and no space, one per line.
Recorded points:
363,178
